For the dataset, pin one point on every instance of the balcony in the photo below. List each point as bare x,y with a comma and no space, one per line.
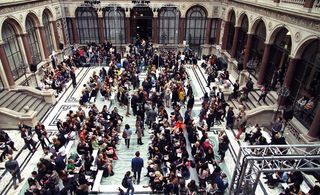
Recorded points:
302,6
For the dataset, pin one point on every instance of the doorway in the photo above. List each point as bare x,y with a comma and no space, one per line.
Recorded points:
141,23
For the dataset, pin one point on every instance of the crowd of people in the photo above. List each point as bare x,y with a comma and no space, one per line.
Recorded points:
157,105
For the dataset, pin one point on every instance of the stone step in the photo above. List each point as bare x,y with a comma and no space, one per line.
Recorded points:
43,111
10,100
29,103
17,101
22,103
35,104
3,93
6,97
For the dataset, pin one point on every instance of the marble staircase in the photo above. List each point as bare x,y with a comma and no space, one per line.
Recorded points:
19,102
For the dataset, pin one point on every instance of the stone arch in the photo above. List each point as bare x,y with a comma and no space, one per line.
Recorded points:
255,23
228,16
49,12
302,46
34,18
274,33
17,26
200,6
241,18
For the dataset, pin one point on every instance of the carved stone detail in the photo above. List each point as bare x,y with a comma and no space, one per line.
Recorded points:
270,26
297,36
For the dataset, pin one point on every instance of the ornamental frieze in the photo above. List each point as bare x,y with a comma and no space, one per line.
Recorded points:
25,6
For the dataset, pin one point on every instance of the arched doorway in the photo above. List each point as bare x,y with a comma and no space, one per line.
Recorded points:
257,48
87,25
115,24
306,82
141,17
278,58
242,37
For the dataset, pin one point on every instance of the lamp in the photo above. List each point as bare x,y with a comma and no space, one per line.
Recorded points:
95,4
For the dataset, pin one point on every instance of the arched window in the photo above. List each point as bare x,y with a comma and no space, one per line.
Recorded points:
87,25
213,33
231,31
33,41
169,25
114,20
196,26
47,30
12,49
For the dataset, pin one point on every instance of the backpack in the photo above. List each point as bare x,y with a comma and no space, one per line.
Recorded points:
124,182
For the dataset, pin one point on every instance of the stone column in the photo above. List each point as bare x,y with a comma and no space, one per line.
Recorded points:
27,48
56,34
44,42
308,3
182,31
247,50
64,33
314,129
225,35
128,30
218,32
101,29
6,66
74,30
290,72
264,63
208,30
155,30
235,41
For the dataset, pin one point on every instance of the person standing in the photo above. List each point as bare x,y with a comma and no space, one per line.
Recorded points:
263,94
139,130
73,76
13,168
136,166
127,134
27,137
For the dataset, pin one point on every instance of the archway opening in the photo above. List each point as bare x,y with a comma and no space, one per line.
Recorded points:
141,23
278,59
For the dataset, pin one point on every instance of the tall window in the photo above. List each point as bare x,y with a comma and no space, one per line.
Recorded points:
33,41
169,25
47,30
12,49
213,33
87,21
70,30
114,20
231,31
196,26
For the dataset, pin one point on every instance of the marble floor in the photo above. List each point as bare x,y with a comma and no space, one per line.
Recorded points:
68,100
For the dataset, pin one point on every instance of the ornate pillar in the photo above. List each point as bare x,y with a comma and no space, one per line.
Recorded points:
74,30
264,63
6,66
314,129
155,30
290,71
225,35
218,32
44,42
247,50
235,41
56,35
128,30
182,31
27,48
101,29
208,30
64,33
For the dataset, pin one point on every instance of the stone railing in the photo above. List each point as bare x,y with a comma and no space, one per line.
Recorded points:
48,95
9,118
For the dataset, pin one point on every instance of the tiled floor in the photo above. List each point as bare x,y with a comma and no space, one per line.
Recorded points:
69,100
